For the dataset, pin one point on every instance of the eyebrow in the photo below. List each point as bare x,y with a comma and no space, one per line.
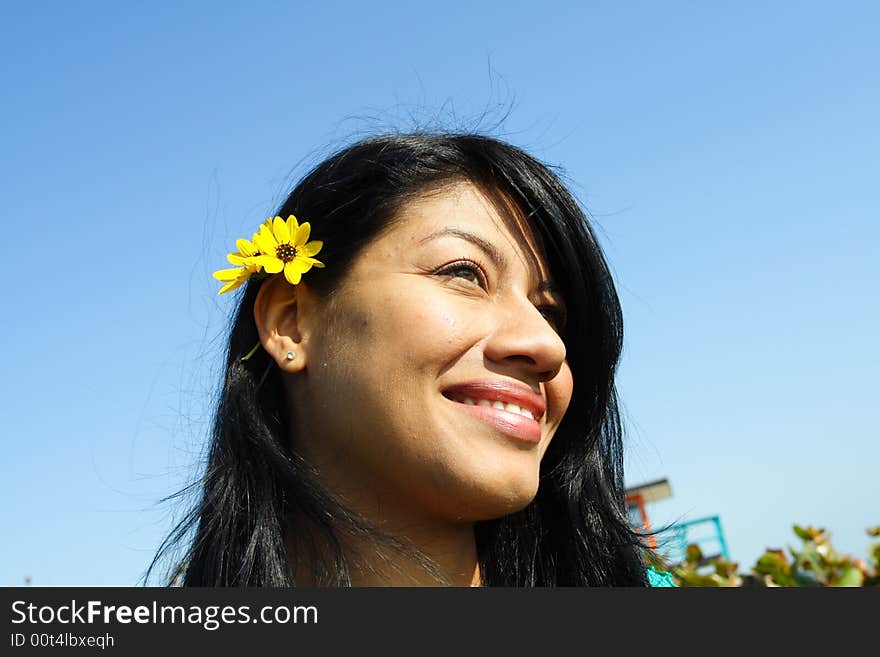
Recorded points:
489,249
494,254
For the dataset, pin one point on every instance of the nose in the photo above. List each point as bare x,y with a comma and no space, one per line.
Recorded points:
523,337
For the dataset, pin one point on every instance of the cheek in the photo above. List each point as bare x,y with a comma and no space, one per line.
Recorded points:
559,392
421,329
387,346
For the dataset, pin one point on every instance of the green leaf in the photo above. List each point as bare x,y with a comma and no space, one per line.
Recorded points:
694,553
725,568
802,533
774,565
852,576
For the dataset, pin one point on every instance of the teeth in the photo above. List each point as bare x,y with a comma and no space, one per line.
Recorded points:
510,408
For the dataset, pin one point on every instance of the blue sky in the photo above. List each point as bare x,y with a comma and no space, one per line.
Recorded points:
726,152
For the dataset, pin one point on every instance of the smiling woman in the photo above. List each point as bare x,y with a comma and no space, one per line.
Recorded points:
432,400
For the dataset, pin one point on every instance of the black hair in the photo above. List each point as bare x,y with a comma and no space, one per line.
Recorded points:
256,488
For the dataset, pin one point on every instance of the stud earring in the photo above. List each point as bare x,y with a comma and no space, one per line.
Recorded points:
290,355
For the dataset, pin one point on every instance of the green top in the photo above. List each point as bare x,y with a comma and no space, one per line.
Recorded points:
659,578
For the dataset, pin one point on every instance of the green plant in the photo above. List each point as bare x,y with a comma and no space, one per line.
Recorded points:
815,563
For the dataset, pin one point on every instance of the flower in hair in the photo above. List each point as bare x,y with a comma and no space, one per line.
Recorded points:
278,246
237,276
285,246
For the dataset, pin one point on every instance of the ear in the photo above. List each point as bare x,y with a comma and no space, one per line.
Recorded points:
284,317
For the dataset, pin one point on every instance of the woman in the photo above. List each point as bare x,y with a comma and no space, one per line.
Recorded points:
419,385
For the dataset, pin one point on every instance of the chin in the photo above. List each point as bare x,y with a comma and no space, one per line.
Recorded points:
504,496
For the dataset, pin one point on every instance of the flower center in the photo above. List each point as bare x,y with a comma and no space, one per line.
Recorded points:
285,252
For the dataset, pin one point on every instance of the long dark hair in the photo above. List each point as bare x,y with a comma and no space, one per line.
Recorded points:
256,488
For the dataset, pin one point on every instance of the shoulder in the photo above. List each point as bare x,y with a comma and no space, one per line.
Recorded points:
658,578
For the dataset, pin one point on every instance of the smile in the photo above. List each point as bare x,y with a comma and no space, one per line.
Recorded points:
500,405
509,417
502,394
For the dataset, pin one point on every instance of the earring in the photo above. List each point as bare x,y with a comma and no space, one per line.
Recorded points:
290,355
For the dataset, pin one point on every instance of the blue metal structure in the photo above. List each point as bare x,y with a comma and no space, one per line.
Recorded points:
704,532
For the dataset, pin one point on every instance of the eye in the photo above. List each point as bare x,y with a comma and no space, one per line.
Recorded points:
465,269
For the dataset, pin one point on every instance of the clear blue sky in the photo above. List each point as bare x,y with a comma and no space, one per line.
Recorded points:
728,153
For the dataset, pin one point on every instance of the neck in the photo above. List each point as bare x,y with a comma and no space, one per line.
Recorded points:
450,550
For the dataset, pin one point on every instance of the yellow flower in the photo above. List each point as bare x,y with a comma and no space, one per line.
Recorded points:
246,250
237,276
284,245
278,246
234,278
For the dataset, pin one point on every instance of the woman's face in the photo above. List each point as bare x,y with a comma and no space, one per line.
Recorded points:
435,381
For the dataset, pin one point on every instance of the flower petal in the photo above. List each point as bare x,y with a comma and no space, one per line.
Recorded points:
302,234
310,249
314,263
266,241
271,264
282,234
301,265
292,225
236,258
228,274
232,285
291,274
245,248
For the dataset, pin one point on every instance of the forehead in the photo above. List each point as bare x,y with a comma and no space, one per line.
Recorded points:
463,207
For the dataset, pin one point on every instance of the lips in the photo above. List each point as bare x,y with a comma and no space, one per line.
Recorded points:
506,392
504,405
